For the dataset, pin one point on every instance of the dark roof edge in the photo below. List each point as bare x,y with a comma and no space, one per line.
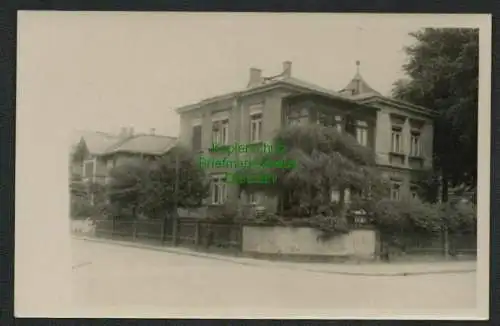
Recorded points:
340,98
400,104
115,148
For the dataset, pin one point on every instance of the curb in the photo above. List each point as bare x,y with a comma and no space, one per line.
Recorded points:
276,264
163,249
451,271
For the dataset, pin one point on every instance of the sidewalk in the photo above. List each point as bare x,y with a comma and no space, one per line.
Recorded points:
365,269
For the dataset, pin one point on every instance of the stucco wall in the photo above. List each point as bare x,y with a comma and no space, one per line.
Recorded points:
383,137
305,241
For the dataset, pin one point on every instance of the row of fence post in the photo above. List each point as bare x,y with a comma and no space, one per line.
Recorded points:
174,236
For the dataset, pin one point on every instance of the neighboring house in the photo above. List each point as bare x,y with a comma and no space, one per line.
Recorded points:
97,153
400,133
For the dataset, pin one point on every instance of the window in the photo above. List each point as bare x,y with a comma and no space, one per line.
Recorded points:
220,132
89,168
415,145
395,191
254,198
109,166
321,119
367,192
256,127
338,123
300,117
219,191
350,126
396,143
196,138
414,192
362,135
347,196
335,196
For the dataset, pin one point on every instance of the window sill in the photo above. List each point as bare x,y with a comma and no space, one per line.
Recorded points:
397,154
219,148
416,158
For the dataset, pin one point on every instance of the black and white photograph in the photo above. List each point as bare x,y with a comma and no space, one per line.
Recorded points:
253,165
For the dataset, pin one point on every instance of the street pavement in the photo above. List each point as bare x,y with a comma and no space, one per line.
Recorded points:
107,276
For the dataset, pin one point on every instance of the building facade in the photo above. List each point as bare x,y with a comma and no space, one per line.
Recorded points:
97,153
401,134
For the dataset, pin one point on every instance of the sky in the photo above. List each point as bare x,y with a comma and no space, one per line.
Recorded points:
106,70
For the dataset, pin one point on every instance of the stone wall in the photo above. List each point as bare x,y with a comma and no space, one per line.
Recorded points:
305,241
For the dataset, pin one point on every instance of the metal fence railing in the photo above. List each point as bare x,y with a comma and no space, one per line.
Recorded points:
436,244
188,232
213,235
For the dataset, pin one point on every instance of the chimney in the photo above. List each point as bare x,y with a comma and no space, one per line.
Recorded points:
123,132
287,69
152,131
255,77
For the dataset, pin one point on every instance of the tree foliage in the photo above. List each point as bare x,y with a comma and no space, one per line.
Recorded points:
325,160
86,199
147,187
442,75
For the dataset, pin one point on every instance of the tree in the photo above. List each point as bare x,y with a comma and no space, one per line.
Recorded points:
87,199
159,194
442,74
323,160
147,187
125,187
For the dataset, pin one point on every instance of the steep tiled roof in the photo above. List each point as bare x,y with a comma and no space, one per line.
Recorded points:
145,144
100,143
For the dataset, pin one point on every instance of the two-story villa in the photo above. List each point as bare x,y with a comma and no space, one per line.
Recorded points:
97,153
400,133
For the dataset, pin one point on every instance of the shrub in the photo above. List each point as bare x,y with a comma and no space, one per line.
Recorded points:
459,217
80,208
413,216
